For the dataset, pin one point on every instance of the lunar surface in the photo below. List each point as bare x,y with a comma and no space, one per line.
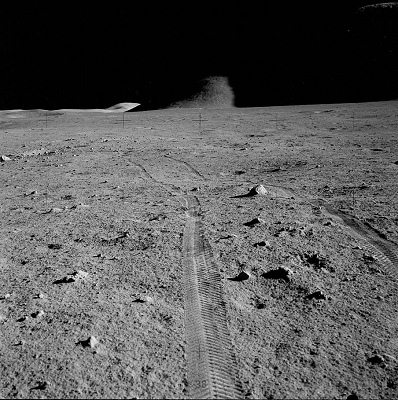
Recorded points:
248,253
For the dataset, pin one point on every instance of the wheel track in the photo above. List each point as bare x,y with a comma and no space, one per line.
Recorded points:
212,370
189,166
386,252
172,189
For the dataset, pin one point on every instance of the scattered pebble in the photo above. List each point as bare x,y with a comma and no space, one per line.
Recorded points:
242,276
258,189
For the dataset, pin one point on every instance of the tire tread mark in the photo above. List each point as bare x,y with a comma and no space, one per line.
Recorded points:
189,166
212,371
385,251
167,186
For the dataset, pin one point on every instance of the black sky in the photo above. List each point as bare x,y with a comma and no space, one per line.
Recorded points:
153,53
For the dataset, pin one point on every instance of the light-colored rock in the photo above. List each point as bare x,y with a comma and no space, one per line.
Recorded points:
258,190
38,314
4,158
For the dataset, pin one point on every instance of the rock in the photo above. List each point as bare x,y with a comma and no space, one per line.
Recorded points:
263,243
40,386
242,276
369,258
352,396
2,318
258,189
38,314
316,260
65,279
39,296
319,295
5,297
254,221
376,359
4,158
54,246
148,299
56,210
279,273
90,342
143,299
79,274
73,277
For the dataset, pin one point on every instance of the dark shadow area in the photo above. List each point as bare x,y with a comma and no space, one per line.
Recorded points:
271,54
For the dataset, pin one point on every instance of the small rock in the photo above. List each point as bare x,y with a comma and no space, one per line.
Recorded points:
2,318
280,273
39,296
376,359
352,396
258,189
54,246
369,258
31,193
254,221
90,342
38,314
242,276
319,295
4,158
40,386
148,299
263,243
195,189
79,275
56,210
22,319
65,279
5,297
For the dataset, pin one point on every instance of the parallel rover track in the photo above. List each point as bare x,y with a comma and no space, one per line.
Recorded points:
384,250
212,370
